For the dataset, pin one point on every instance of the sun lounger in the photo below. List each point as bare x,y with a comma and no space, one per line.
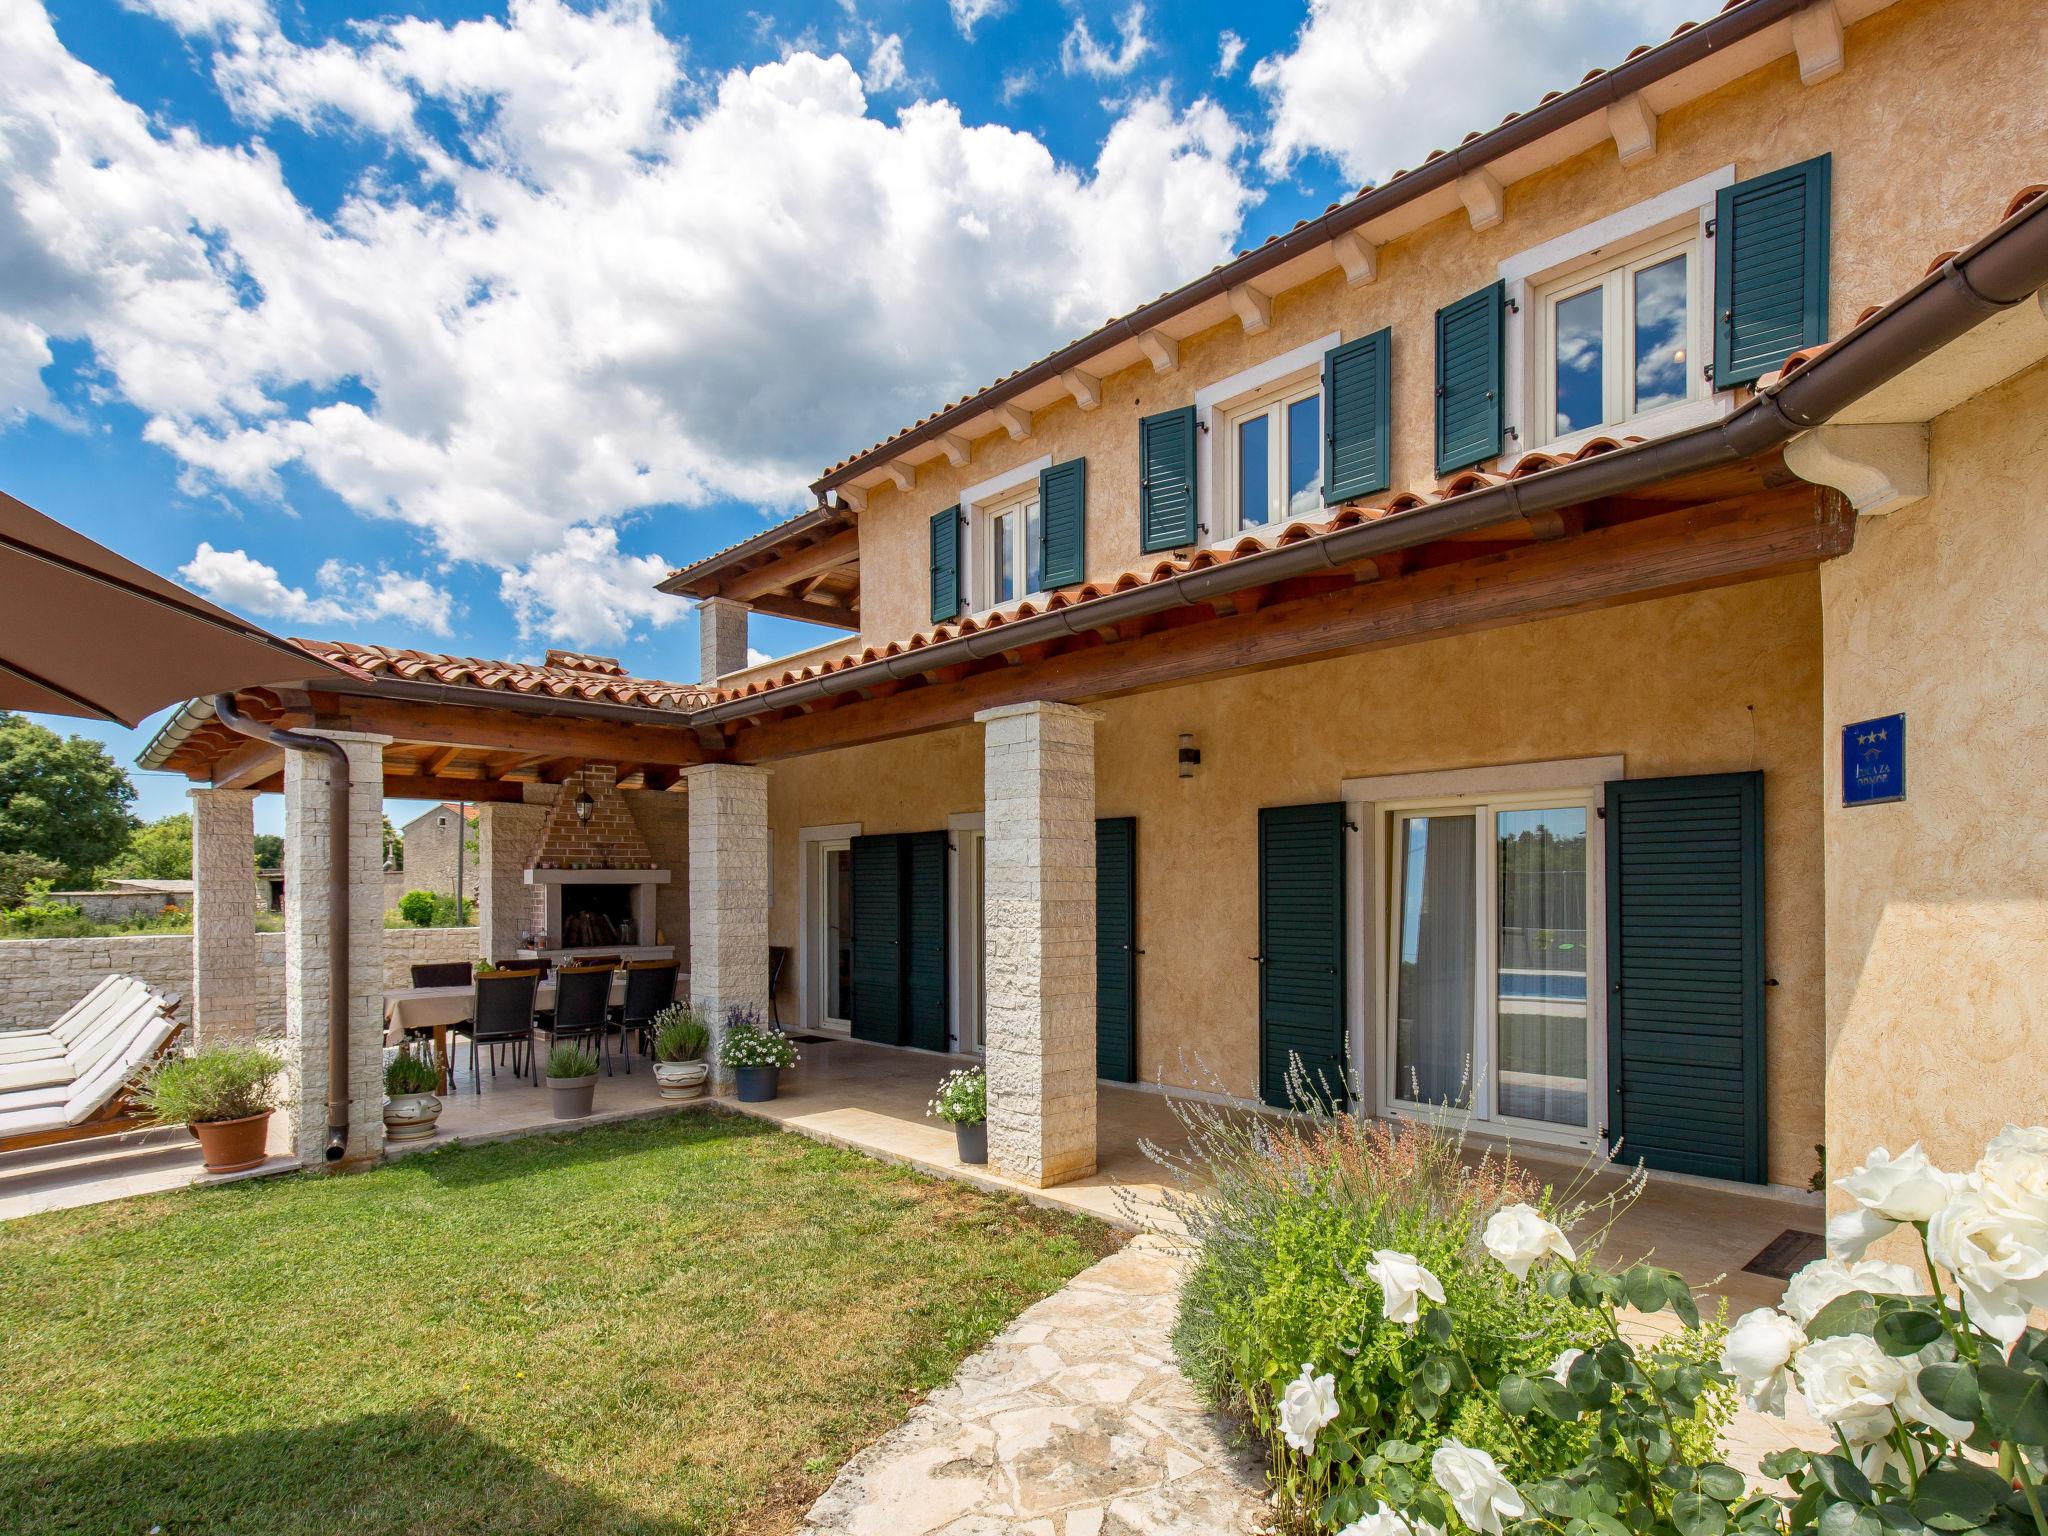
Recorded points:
67,1082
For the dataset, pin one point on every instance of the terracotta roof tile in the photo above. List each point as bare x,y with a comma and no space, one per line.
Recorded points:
565,674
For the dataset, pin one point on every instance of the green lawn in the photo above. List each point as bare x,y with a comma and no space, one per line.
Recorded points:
668,1326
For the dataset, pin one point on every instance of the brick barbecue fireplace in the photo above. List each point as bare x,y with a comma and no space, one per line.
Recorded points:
592,877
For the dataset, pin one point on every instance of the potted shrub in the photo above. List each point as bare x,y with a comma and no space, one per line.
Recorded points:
680,1041
572,1080
223,1094
412,1103
963,1103
756,1058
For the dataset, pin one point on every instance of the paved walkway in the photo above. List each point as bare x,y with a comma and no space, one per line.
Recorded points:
1074,1422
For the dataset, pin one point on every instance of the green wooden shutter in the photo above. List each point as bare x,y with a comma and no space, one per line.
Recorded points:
946,565
1166,479
925,971
1770,270
1355,406
1116,949
1301,949
878,1002
1063,523
1685,973
1468,378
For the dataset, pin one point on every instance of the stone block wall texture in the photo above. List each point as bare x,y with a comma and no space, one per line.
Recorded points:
40,978
431,841
663,818
1039,951
721,638
728,811
506,837
310,847
223,983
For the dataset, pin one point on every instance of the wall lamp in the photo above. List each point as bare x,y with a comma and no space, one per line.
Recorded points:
584,805
1189,757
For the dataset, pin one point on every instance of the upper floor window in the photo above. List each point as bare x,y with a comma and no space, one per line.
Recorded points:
1274,448
1012,547
1619,340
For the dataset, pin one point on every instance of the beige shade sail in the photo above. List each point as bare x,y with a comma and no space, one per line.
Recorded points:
85,632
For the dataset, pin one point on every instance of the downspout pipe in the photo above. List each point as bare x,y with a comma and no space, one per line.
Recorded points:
337,903
2005,267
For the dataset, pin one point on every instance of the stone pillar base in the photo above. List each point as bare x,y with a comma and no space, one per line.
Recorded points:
225,965
729,890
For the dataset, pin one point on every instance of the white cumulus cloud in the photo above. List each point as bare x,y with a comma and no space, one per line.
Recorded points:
1374,85
345,594
885,71
1081,53
579,282
969,14
1229,49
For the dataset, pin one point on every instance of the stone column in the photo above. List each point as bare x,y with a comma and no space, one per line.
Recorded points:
721,638
728,893
308,952
505,839
1038,793
225,969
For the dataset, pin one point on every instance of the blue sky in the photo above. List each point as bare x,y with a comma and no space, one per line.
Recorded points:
452,326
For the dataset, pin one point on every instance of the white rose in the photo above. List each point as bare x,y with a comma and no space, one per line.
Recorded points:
1825,1279
1386,1522
1518,1236
1851,1384
1561,1367
1309,1403
2013,1173
1851,1233
1402,1282
1758,1352
1903,1188
1998,1257
1480,1495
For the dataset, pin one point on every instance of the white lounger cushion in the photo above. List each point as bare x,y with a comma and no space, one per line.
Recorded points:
17,1077
118,1027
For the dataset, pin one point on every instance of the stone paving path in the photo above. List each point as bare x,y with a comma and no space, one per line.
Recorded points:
1074,1421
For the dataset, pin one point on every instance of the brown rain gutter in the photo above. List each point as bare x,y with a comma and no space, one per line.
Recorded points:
337,904
1667,58
1995,273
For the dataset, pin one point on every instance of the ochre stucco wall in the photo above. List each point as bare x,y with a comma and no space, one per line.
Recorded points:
1890,120
1709,682
1937,906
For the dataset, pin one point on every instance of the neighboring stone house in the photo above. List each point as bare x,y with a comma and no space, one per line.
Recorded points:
437,840
1461,645
121,901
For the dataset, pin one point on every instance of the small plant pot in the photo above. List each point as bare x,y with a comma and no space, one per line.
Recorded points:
410,1116
757,1085
572,1095
679,1080
232,1146
970,1138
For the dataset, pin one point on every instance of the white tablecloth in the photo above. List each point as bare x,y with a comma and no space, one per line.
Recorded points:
424,1007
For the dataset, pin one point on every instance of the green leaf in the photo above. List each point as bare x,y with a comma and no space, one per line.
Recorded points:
1957,1498
1696,1515
1682,1303
1719,1481
1854,1313
1688,1383
1906,1331
1399,1451
1644,1289
1952,1388
1517,1397
1606,1525
1436,1375
2015,1403
1616,1360
1847,1520
1840,1476
1559,1402
1438,1325
1783,1463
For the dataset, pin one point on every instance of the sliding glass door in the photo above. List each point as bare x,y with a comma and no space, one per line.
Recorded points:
1489,1004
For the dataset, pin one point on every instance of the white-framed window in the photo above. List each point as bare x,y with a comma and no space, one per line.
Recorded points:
1012,552
1619,339
1273,457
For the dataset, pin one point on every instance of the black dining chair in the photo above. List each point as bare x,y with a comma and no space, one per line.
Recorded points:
452,973
583,993
650,987
502,1015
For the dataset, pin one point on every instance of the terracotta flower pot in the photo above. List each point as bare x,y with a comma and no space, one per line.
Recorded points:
410,1116
679,1080
232,1146
572,1096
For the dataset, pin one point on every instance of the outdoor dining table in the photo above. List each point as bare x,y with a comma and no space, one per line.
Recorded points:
441,1008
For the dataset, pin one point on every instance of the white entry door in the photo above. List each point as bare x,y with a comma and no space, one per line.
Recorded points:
970,905
828,934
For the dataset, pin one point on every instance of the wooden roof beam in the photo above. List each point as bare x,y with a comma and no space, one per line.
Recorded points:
778,575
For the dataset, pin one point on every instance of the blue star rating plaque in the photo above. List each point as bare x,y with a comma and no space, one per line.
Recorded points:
1874,761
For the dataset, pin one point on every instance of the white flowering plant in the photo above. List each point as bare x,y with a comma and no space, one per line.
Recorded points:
962,1097
1934,1384
746,1044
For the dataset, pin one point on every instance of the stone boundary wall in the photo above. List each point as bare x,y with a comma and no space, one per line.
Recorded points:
41,978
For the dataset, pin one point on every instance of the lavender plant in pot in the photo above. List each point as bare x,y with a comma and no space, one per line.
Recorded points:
963,1103
755,1057
223,1095
680,1041
572,1081
412,1101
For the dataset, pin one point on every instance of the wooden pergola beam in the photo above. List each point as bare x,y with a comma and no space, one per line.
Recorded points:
423,787
779,575
492,730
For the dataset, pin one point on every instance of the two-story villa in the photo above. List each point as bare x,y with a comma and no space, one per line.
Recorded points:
1562,635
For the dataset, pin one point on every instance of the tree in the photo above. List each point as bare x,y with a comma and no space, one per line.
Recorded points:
394,846
269,851
18,871
61,797
161,850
